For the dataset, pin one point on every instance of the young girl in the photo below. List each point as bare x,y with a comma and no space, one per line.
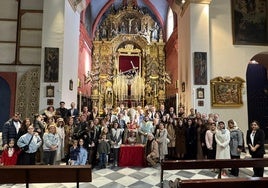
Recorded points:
82,155
10,155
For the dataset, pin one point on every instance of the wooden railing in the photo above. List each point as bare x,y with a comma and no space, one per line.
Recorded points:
210,164
45,174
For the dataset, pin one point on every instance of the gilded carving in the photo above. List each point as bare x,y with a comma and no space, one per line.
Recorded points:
128,31
226,91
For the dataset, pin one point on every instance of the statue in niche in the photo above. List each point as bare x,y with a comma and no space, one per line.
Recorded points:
113,32
95,87
109,97
136,28
148,91
103,32
145,32
123,28
154,32
97,34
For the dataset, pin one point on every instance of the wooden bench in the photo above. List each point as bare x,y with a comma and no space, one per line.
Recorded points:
211,164
223,183
45,174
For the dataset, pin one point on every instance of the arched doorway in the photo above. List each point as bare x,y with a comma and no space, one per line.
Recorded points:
257,91
5,97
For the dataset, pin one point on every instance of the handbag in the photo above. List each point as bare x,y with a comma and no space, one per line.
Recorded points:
26,147
167,139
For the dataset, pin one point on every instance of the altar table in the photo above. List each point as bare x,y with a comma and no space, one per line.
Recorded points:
132,155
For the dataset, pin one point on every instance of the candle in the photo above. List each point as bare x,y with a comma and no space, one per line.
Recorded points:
194,98
80,101
177,103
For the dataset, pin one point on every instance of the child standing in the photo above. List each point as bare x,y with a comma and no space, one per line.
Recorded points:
116,141
74,152
10,154
103,150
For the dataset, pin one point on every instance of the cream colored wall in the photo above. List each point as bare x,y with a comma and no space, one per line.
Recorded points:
228,59
61,30
224,58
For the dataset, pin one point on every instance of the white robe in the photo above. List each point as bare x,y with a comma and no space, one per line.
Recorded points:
222,138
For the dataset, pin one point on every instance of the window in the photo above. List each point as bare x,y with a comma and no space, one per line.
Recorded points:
170,23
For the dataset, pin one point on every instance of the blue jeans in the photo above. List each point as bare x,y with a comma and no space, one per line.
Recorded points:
103,159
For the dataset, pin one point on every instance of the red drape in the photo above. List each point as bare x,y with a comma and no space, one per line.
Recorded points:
124,62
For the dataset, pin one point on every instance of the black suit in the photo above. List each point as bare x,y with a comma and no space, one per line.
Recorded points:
75,112
259,138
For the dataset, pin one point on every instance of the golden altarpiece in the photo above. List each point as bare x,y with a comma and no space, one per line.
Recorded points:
128,63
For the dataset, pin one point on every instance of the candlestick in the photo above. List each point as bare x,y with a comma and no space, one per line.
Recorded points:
177,103
80,101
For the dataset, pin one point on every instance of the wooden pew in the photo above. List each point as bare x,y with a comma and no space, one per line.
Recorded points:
45,174
250,182
211,164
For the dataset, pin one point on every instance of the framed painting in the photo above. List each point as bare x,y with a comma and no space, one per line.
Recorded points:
200,103
249,22
226,91
50,91
200,93
50,102
51,69
200,68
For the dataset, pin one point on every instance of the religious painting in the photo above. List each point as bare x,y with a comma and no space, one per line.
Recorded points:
200,103
249,21
51,70
226,91
50,102
200,68
200,93
50,91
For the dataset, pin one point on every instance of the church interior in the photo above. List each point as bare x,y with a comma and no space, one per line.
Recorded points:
131,52
209,55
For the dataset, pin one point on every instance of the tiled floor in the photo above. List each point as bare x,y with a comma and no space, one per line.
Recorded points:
134,177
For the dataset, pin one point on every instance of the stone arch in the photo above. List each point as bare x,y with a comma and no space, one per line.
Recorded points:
257,90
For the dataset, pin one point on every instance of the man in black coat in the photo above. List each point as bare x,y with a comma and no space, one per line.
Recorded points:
10,129
62,111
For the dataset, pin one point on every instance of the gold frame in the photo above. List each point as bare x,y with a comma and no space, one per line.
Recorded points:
226,91
50,91
200,93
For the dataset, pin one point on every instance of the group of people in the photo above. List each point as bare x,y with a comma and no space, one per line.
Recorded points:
88,137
